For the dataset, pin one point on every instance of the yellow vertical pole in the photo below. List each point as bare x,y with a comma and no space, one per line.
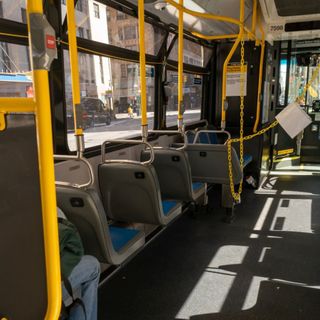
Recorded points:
255,128
142,57
47,180
180,67
225,65
254,16
73,54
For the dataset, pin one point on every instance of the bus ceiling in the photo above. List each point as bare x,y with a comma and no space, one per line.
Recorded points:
282,19
169,14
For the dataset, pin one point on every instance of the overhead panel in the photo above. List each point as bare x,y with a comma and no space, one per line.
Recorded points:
286,8
291,19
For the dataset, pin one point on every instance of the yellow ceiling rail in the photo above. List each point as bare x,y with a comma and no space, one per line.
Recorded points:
247,32
142,58
225,65
47,179
216,37
8,105
258,112
180,68
204,15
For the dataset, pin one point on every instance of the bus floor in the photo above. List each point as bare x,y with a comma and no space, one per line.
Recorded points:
266,265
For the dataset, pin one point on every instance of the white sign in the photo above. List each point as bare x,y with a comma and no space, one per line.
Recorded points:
234,78
293,119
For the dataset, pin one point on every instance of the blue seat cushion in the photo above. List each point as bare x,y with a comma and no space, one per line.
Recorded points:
197,185
208,138
190,136
121,236
247,158
167,206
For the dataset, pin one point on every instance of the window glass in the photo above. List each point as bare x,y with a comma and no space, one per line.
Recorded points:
111,26
297,80
282,81
110,98
193,53
192,98
15,71
13,10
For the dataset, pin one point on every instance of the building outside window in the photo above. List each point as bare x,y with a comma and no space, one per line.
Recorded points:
79,6
101,69
121,15
80,32
130,32
123,68
23,15
1,10
96,10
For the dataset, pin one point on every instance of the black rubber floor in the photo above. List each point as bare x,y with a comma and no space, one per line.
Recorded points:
266,265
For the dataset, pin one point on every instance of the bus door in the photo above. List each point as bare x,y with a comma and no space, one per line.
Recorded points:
297,66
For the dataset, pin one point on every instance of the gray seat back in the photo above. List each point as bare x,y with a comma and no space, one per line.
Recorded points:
130,192
209,163
84,209
174,173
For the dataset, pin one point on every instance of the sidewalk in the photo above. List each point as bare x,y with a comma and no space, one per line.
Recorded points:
119,116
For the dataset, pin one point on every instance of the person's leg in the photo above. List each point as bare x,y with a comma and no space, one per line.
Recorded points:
85,276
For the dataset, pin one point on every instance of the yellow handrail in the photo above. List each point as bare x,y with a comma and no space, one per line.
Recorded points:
47,180
216,37
142,58
17,105
225,65
73,54
255,128
180,67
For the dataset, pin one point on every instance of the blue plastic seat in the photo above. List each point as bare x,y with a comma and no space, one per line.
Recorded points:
212,138
197,186
168,205
247,158
120,236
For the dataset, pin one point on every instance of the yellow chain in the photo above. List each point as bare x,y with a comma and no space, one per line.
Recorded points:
237,195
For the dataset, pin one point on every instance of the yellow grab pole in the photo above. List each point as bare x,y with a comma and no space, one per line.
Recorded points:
73,54
225,65
180,68
47,180
203,15
254,16
255,128
142,57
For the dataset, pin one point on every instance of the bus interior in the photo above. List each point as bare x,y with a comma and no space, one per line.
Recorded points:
156,127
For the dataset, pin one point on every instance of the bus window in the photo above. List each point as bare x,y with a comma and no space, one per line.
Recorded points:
193,53
192,98
108,87
15,71
13,10
120,29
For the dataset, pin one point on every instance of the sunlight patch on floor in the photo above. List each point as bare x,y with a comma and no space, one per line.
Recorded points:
210,292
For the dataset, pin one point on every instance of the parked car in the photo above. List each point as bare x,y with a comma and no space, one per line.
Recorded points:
93,112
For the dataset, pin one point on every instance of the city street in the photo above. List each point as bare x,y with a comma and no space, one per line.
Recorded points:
125,127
